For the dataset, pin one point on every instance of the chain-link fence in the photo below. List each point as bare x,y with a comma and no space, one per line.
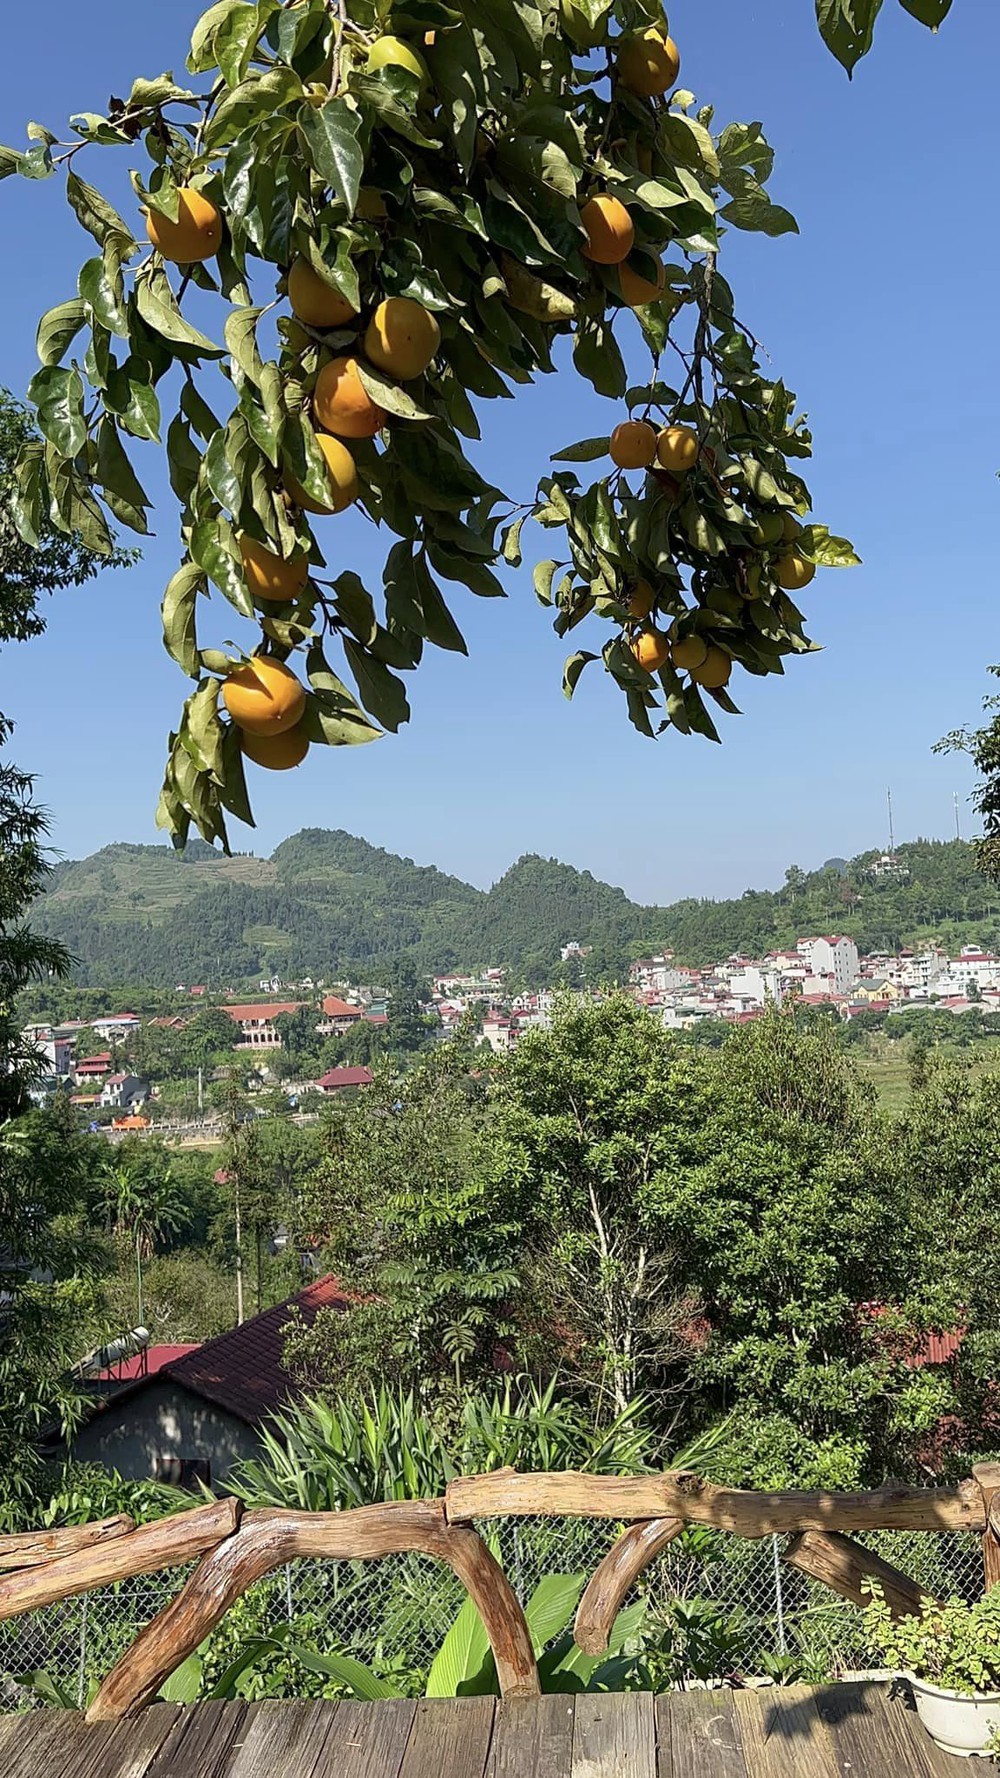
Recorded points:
716,1607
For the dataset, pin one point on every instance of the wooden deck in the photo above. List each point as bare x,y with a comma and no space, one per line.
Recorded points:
842,1731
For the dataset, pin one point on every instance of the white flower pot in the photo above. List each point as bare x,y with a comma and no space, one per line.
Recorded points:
960,1722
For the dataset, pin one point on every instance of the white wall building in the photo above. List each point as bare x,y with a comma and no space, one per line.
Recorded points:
835,957
756,986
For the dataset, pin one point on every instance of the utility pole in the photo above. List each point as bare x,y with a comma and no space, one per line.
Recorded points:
239,1249
892,836
201,1092
958,824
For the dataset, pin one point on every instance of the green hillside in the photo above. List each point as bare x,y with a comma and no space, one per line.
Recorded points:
330,904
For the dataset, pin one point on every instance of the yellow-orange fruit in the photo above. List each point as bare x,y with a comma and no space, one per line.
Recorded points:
793,572
690,652
677,449
651,650
649,62
641,600
636,290
402,338
268,577
342,404
264,697
314,302
769,529
276,753
195,236
715,670
342,475
610,230
393,52
633,444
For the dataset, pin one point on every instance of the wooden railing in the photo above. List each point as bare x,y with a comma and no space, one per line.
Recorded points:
235,1548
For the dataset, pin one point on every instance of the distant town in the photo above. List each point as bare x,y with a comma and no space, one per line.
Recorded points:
819,971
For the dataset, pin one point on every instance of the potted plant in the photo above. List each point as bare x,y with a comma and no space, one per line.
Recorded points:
951,1656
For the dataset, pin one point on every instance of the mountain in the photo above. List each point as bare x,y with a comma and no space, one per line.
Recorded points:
329,904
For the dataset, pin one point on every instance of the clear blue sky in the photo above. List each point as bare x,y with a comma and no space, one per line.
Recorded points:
882,317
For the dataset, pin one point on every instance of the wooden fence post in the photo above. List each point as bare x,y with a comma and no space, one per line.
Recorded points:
987,1475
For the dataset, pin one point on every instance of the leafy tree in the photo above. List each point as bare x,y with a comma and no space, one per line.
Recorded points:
415,1201
50,1268
482,172
54,558
601,1112
143,1205
406,1030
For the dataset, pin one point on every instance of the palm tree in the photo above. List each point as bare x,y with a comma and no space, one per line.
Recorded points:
143,1208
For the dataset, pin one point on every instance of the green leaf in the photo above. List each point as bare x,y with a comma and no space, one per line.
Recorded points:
95,214
826,551
929,12
551,1606
10,162
463,1654
160,310
382,694
116,474
179,630
101,286
360,1681
241,338
597,357
58,329
213,548
332,137
588,451
390,396
543,577
847,27
235,38
201,56
439,626
58,396
29,499
574,667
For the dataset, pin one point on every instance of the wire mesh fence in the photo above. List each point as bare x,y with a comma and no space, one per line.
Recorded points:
717,1607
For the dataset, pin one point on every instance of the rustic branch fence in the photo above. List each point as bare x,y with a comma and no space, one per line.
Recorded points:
234,1549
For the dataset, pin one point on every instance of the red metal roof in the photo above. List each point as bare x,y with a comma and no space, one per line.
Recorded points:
145,1364
346,1077
269,1009
335,1008
242,1371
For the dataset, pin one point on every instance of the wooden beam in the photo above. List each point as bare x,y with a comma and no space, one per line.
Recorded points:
987,1479
167,1543
614,1579
268,1539
677,1494
29,1549
844,1566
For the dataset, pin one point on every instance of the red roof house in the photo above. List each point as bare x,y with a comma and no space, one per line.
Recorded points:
340,1080
201,1411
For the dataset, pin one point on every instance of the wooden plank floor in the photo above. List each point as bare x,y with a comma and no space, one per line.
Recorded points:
837,1731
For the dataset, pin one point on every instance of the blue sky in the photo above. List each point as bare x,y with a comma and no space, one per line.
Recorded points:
880,315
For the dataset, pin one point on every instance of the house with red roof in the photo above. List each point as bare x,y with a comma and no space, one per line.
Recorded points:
256,1022
337,1016
344,1080
202,1411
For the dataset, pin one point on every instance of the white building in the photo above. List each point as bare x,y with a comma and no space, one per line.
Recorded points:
833,957
117,1026
756,985
658,975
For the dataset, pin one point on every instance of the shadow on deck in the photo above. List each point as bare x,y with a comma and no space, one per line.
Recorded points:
795,1733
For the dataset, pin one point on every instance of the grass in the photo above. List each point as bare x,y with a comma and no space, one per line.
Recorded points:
889,1071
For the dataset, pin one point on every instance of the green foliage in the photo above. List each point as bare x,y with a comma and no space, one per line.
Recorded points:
331,1455
848,26
464,1666
330,905
955,1646
463,192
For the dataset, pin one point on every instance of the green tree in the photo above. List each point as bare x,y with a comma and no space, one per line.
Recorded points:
406,1030
143,1205
602,1112
487,180
416,1201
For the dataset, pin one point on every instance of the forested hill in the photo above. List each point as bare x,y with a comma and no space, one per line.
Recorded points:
329,904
